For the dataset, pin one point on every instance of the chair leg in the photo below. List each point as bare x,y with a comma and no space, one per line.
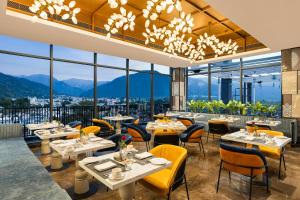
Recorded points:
229,175
267,177
283,159
147,146
202,146
250,193
220,169
169,194
207,137
280,159
186,188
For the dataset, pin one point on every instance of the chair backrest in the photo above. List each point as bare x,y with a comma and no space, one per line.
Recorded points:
218,127
177,155
105,126
75,124
91,129
137,132
242,160
186,121
165,136
251,129
271,133
196,132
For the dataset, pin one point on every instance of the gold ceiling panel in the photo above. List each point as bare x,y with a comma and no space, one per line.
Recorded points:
95,13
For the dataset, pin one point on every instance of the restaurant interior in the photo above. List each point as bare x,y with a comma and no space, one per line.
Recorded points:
149,99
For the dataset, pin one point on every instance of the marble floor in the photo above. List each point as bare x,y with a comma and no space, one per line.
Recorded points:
202,175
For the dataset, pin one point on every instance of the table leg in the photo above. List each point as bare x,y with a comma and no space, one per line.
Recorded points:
81,184
45,147
127,192
56,160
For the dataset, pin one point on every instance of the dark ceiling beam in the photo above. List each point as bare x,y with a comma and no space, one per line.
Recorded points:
213,17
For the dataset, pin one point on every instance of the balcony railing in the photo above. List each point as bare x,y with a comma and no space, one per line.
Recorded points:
73,113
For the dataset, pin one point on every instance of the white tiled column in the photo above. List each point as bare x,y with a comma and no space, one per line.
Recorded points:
178,89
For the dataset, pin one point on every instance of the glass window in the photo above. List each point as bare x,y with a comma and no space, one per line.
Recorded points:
24,46
161,93
24,84
111,91
111,61
73,54
198,87
162,69
139,94
263,84
138,65
72,84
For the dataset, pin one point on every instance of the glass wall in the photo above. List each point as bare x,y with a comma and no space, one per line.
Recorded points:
198,87
261,81
25,82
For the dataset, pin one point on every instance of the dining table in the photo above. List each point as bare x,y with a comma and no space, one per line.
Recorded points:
226,119
79,149
118,119
260,140
140,168
46,134
269,123
178,126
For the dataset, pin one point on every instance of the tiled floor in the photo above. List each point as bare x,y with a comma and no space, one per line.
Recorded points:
202,176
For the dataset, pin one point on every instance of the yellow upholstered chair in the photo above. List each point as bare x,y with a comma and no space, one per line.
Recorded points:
86,131
275,153
139,134
106,128
246,161
167,180
186,121
251,129
165,136
193,134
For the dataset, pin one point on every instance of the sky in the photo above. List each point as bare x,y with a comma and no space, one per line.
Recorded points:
17,66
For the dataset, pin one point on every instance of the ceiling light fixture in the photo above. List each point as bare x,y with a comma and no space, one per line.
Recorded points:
41,9
122,20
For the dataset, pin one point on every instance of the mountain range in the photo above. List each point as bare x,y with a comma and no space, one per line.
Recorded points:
38,85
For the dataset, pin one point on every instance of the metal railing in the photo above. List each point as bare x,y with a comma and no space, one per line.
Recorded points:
31,115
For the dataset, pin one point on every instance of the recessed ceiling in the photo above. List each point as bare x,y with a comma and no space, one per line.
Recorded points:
95,13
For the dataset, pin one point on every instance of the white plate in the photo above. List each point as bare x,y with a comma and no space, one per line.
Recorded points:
106,142
117,179
281,137
158,161
95,139
58,141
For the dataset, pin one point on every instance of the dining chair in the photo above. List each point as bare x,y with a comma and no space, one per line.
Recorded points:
275,153
251,128
75,124
193,134
245,161
167,180
139,134
218,127
186,121
106,128
165,136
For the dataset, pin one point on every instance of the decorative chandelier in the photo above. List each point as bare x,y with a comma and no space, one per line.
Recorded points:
42,8
174,36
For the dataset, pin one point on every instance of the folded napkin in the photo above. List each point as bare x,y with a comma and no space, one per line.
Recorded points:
88,160
105,166
143,155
